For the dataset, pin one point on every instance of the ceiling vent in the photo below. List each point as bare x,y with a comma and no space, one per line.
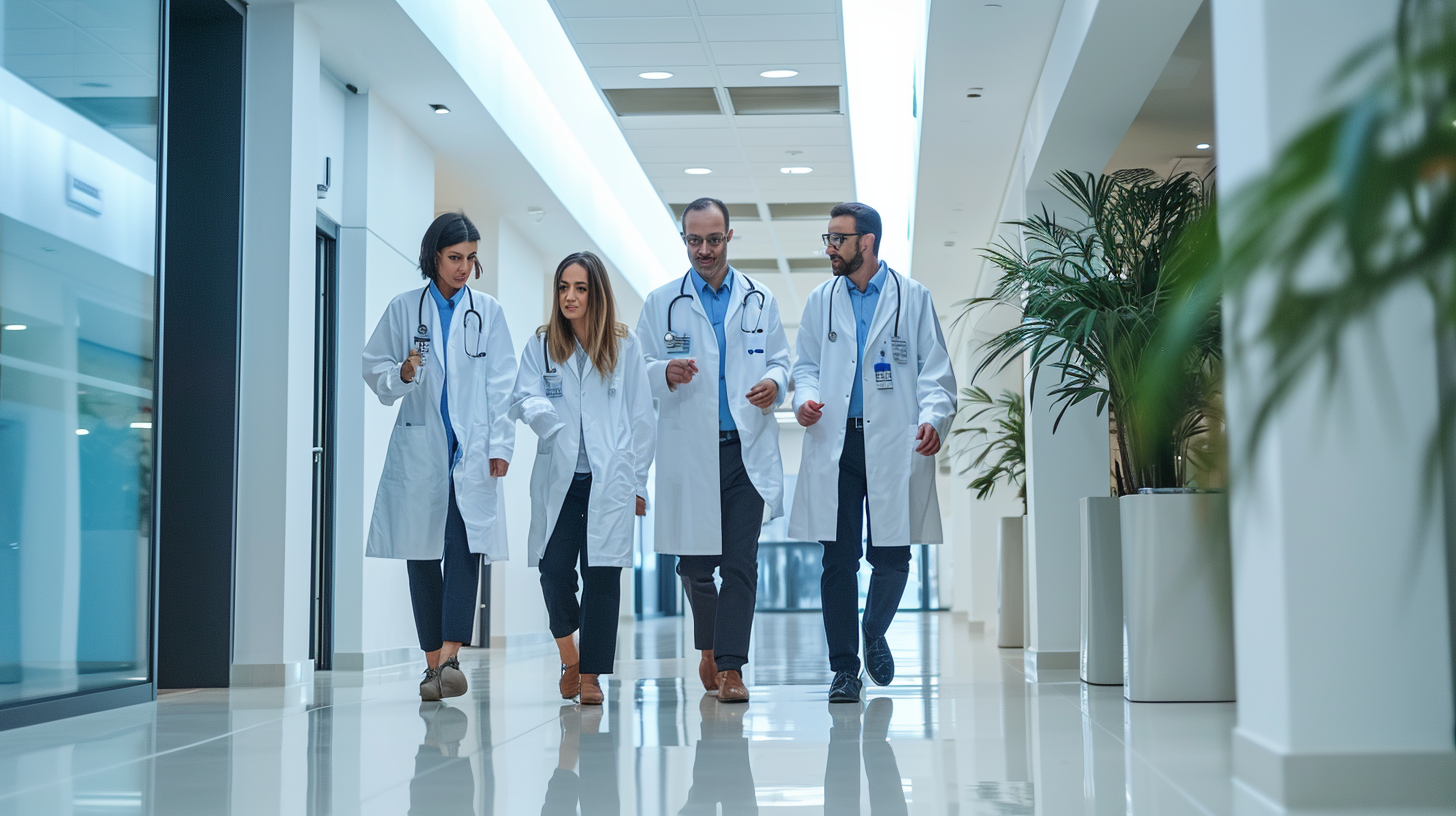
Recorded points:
663,101
757,101
755,264
817,266
736,212
795,212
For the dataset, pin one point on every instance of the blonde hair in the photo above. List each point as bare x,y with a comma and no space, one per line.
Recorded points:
604,334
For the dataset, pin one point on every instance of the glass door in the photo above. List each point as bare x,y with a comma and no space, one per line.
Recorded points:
326,266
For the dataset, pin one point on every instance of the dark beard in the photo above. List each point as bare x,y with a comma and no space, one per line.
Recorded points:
849,268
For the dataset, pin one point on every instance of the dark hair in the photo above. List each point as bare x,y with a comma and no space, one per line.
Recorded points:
704,204
866,219
447,230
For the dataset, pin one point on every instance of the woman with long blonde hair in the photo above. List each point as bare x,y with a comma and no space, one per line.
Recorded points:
582,387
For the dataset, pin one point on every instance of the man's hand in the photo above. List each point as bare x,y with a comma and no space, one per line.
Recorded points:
928,439
764,394
809,412
641,506
681,371
498,467
410,366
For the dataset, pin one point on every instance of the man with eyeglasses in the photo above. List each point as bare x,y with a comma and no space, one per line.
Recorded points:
716,319
873,386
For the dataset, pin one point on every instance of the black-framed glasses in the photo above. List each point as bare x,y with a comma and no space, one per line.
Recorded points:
714,241
837,239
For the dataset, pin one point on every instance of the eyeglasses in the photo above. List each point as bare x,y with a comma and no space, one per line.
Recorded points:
714,241
837,239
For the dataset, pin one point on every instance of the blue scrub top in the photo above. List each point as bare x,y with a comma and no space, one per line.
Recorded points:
864,304
715,303
447,310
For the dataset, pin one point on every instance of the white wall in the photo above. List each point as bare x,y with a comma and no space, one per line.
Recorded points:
388,174
1342,629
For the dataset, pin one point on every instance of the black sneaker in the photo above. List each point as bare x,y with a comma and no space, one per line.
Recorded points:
846,687
879,663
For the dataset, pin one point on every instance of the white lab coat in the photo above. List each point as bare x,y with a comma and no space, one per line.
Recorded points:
414,489
902,502
616,416
688,510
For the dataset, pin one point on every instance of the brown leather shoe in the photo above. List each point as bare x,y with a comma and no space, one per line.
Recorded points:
591,690
708,671
731,688
570,681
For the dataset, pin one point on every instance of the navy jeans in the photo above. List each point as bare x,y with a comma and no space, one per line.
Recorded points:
444,603
839,585
723,619
601,587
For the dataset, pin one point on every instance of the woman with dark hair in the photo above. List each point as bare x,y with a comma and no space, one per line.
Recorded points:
583,389
444,350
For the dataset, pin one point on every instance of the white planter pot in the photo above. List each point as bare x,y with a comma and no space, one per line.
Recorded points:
1010,614
1101,592
1177,584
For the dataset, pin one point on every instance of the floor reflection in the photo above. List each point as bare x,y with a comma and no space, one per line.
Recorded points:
586,767
722,774
849,739
444,781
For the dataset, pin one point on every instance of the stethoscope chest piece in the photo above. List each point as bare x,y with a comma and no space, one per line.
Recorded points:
833,335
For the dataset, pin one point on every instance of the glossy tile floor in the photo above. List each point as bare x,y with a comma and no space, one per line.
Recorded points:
959,732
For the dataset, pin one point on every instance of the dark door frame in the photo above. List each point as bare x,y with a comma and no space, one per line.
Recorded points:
325,406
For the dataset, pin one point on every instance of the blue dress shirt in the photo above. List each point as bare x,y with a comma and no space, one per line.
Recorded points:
447,310
715,303
864,304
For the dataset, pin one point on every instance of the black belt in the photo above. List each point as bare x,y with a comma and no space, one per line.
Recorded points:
854,423
724,437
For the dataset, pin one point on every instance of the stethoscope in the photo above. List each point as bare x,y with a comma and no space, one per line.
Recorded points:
834,336
424,331
672,337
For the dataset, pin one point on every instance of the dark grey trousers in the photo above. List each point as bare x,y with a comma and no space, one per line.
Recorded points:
723,618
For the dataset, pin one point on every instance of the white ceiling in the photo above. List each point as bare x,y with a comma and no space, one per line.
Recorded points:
726,45
1178,113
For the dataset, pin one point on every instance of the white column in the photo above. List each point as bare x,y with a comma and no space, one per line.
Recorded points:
1344,670
1061,469
276,366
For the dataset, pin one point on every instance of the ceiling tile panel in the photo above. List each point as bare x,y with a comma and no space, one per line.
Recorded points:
810,73
666,170
796,136
809,120
671,123
683,76
713,8
597,30
779,27
771,53
608,56
810,155
702,137
622,8
689,155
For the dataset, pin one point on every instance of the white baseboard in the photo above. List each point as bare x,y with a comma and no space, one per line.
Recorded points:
1034,662
377,659
526,639
1346,780
253,675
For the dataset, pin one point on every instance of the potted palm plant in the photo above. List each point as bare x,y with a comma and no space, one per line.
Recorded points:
1000,460
1092,291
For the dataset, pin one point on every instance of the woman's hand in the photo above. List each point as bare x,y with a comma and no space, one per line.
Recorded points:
498,467
641,506
409,367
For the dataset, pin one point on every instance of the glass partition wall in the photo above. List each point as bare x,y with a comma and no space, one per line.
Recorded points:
79,101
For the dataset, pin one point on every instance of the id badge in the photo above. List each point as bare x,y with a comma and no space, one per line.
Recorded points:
552,383
679,345
884,375
422,347
900,350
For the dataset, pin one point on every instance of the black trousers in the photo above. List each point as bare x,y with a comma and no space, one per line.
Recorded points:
839,585
722,774
723,618
601,589
444,601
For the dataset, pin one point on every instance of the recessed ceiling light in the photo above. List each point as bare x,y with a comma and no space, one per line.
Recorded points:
440,109
795,171
81,432
142,426
15,327
779,73
974,93
1203,145
698,171
656,75
95,84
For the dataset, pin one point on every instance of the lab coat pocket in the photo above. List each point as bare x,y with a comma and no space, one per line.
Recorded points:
410,454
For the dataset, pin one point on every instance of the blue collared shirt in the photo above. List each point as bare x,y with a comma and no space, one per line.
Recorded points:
715,303
447,310
864,304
